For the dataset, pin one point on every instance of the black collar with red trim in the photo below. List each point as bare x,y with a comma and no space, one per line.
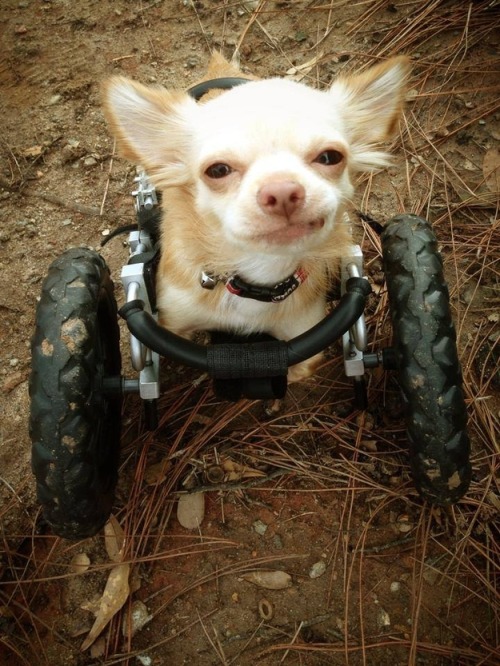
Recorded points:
237,286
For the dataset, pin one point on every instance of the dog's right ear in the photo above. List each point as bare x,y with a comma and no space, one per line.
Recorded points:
151,126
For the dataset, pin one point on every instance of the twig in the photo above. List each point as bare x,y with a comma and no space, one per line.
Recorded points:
387,546
101,210
91,211
228,486
292,642
70,205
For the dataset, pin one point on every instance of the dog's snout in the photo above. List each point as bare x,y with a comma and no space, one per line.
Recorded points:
281,197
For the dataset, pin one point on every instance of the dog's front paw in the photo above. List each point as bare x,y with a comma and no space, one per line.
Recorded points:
305,369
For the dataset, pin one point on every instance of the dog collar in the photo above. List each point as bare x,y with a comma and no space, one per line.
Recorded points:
237,286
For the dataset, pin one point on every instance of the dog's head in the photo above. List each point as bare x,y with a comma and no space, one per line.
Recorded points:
270,163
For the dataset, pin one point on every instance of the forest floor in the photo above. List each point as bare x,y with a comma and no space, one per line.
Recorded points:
319,495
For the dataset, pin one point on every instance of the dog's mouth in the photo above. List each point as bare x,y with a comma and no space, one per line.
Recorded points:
291,232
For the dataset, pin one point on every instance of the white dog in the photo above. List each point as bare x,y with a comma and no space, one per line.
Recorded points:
255,181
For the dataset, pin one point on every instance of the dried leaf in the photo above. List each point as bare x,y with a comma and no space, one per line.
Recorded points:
191,510
157,473
33,151
491,169
114,539
298,72
271,580
114,596
236,472
79,563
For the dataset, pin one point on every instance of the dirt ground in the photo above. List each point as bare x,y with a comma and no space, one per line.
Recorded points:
319,492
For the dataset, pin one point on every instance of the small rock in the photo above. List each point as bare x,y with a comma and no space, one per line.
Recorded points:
144,660
300,36
369,445
79,563
404,524
317,569
66,222
136,619
383,618
470,166
260,527
13,362
278,542
192,62
55,99
12,382
71,151
89,161
21,30
395,586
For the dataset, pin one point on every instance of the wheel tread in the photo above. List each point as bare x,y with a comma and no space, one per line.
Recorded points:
430,375
75,474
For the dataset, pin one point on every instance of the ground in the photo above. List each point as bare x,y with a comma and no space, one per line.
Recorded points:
319,492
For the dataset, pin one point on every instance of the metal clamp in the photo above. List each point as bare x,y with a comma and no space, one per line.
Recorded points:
145,194
354,341
145,361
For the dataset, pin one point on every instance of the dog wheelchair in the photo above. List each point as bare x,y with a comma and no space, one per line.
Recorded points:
76,386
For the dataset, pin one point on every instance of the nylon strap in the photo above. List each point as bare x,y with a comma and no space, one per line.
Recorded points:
237,360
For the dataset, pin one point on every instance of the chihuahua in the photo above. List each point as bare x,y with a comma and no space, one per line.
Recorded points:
255,182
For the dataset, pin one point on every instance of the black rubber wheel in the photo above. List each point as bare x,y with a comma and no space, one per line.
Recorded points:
429,371
74,425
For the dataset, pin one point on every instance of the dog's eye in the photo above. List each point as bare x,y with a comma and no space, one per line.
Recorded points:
218,170
329,157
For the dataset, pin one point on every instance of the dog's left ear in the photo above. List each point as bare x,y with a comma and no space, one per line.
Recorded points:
371,104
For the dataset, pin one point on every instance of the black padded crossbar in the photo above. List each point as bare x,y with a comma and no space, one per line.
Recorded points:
350,307
257,359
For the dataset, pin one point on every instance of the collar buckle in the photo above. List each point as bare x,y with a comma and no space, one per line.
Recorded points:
208,280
